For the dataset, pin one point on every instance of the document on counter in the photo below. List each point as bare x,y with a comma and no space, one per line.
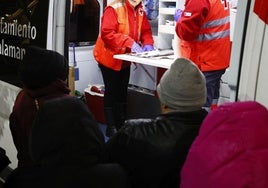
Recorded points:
156,54
156,58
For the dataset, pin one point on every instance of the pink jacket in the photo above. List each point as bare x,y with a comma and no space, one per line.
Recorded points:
231,150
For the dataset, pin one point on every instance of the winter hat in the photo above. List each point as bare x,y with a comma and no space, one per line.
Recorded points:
40,67
183,86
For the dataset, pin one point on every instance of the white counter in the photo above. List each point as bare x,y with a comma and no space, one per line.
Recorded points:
144,74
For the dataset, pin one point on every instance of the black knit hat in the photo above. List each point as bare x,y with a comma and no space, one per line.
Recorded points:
40,67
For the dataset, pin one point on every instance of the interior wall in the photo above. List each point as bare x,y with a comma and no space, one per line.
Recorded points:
262,87
253,78
237,48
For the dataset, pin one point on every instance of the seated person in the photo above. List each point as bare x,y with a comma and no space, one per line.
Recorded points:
43,74
231,149
153,150
67,147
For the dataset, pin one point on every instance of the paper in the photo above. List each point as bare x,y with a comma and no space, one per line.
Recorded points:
155,53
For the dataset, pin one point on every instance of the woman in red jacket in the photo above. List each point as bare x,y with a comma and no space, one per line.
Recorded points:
124,28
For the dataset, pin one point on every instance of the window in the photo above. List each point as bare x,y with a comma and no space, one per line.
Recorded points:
84,22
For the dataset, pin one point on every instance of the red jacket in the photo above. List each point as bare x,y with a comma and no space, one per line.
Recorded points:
204,30
117,39
231,150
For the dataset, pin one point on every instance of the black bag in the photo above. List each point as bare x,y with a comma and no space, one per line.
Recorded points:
4,160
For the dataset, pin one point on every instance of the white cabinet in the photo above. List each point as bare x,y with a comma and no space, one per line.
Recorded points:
166,23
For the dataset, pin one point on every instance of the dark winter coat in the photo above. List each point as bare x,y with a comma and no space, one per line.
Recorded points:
67,149
24,112
154,150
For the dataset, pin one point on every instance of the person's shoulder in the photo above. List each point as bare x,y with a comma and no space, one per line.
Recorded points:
133,126
65,100
139,122
133,129
69,106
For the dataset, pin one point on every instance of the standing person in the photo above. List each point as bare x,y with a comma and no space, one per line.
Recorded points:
204,31
153,150
231,149
44,76
124,28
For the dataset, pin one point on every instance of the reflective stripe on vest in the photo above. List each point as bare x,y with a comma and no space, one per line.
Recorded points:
216,35
122,17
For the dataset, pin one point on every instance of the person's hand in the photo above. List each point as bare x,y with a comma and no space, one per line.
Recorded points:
147,48
178,14
136,48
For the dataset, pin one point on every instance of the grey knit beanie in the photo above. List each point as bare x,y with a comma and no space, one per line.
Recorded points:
183,86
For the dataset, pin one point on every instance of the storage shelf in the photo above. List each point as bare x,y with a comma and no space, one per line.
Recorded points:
168,1
167,11
168,29
166,32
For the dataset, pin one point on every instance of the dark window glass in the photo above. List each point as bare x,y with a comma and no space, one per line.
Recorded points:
84,22
22,23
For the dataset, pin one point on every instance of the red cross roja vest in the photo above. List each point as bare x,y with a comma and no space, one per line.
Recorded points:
211,49
101,52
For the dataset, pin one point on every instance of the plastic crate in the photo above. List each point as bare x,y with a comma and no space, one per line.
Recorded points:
95,102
